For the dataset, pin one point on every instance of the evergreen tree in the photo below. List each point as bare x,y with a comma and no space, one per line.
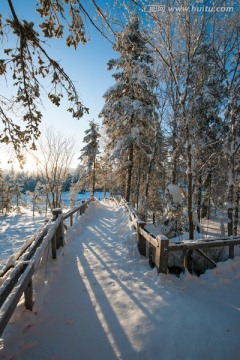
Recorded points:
7,202
129,113
36,196
206,96
91,150
18,186
232,145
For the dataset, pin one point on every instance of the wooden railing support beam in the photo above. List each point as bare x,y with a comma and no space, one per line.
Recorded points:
60,230
54,246
161,255
231,252
141,241
28,294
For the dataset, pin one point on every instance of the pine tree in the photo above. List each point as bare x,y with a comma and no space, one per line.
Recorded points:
18,186
36,196
91,150
232,145
207,93
129,113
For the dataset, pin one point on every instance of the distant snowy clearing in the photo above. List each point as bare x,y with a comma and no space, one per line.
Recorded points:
17,228
100,299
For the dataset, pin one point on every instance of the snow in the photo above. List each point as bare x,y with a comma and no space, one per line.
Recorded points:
176,193
185,237
100,299
16,229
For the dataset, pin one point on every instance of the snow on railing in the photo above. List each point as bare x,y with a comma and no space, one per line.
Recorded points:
158,248
16,276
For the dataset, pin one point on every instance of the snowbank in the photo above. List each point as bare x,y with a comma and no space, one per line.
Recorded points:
101,299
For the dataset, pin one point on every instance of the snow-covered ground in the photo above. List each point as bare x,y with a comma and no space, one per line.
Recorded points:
215,227
100,300
16,228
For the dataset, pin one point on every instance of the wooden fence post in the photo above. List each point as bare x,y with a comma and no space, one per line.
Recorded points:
82,209
60,229
187,260
140,239
161,254
151,255
231,252
54,246
28,294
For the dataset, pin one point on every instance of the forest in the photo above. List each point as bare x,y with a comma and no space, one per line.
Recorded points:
168,136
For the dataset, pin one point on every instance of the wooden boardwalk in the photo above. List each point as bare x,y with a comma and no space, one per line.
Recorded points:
100,300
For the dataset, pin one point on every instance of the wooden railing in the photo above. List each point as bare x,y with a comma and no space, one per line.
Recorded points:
16,277
158,248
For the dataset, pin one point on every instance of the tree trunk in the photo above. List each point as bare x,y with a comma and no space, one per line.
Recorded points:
209,196
230,210
129,173
150,165
94,175
138,183
46,206
199,198
190,185
105,189
236,213
231,175
175,153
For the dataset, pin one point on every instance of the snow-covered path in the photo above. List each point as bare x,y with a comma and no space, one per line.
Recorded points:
100,300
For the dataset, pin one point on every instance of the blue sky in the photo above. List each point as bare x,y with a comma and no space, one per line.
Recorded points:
87,67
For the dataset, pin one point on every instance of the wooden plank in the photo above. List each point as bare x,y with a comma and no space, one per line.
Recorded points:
60,229
161,255
141,241
151,255
231,252
200,252
39,253
31,251
10,282
203,245
54,246
147,249
10,304
32,245
149,237
28,294
185,260
77,208
132,214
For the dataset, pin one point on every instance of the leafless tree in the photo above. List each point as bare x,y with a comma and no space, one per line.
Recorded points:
56,155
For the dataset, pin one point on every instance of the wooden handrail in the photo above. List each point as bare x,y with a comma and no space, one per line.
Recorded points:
157,248
14,296
77,208
203,244
30,244
17,277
